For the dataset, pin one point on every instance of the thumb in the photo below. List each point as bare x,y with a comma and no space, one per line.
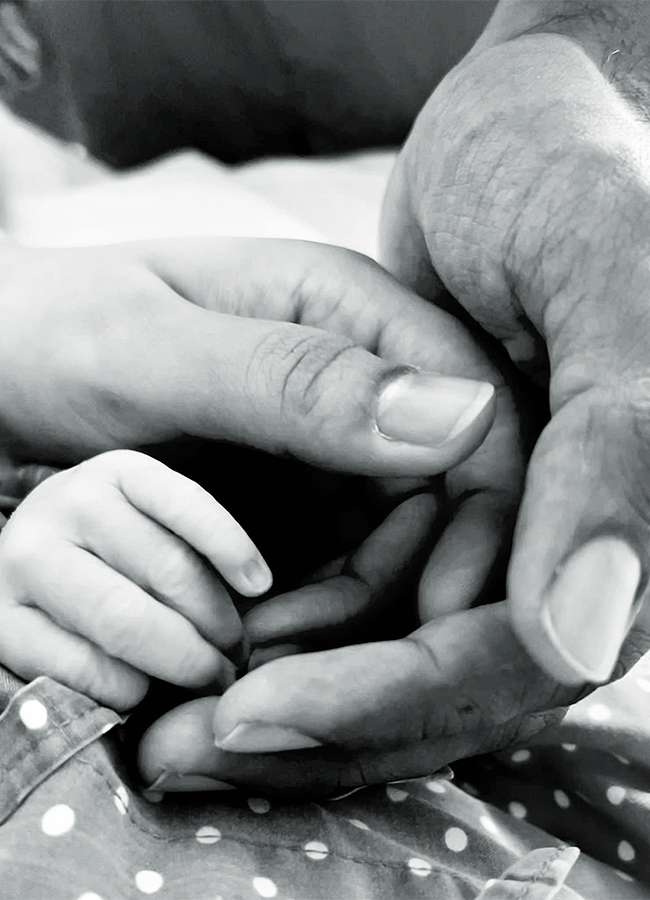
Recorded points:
578,574
302,391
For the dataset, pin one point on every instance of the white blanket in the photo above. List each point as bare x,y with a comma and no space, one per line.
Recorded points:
58,198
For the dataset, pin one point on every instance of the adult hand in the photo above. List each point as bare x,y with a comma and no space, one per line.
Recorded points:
323,723
101,350
520,197
294,348
182,742
524,192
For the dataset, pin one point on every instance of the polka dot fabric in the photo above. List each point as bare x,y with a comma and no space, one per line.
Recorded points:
506,825
586,781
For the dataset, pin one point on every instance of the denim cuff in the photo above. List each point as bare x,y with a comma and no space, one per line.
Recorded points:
43,725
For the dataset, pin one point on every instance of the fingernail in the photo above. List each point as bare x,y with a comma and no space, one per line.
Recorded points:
172,782
588,608
430,410
258,737
257,576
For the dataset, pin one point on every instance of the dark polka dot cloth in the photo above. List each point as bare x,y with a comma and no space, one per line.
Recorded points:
566,817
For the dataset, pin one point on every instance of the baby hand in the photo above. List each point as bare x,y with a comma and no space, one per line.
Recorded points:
108,575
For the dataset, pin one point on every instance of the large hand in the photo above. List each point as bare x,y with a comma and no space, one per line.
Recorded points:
105,351
101,351
347,295
384,711
410,331
524,190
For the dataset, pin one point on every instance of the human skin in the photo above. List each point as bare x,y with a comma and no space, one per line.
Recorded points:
530,213
520,197
301,350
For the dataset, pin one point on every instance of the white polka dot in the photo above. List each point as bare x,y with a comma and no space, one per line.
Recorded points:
89,895
57,820
626,851
644,684
616,794
456,839
518,810
148,882
419,867
489,824
599,712
259,805
561,799
359,824
208,835
265,887
623,875
397,795
520,756
436,787
570,748
316,850
121,799
33,714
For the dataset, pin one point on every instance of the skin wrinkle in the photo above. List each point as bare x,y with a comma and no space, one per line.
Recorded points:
551,239
307,351
311,394
559,293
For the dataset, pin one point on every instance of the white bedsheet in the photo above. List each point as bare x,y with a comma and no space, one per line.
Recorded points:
55,197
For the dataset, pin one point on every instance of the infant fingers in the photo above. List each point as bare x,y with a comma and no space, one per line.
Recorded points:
192,513
83,594
163,565
347,604
31,644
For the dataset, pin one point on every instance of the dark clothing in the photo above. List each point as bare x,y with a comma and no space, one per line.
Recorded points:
132,79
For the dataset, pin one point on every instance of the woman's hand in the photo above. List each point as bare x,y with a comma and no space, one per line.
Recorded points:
298,349
101,350
110,574
483,494
347,296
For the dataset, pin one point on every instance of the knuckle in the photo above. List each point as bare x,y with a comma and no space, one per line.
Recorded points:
80,494
196,664
21,549
83,669
522,730
174,570
634,649
300,366
187,504
112,462
120,622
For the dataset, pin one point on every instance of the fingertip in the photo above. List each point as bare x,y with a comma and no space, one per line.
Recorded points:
479,414
577,627
433,410
254,578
